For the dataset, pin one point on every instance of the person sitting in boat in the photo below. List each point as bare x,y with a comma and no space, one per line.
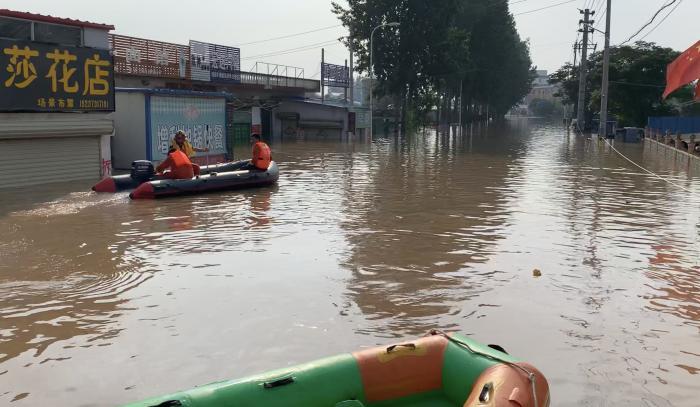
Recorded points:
179,165
262,156
181,143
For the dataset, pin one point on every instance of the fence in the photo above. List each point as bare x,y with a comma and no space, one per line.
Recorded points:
674,125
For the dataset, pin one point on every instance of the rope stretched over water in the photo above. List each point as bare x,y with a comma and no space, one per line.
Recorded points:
648,171
578,129
530,376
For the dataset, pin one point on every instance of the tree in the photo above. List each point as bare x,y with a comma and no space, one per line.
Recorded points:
439,46
637,81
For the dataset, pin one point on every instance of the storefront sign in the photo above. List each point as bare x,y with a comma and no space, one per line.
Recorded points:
215,63
335,75
54,78
202,119
142,57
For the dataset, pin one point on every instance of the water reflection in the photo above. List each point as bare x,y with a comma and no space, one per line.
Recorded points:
422,215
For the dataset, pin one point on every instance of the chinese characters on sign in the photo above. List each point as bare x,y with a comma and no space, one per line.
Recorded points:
202,119
45,77
142,57
335,75
213,62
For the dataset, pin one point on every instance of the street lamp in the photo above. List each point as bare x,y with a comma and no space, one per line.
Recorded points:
371,74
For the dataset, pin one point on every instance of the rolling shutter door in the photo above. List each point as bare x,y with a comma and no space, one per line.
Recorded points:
46,160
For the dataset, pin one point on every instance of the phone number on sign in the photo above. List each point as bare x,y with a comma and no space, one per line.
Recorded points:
94,104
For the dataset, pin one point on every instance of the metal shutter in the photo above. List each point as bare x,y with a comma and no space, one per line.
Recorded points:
46,160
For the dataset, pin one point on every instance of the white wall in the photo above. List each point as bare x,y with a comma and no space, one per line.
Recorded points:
309,112
95,38
129,141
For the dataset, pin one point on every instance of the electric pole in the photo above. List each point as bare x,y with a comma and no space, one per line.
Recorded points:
351,78
606,71
587,29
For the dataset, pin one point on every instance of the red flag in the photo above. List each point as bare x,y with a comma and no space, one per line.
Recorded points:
682,71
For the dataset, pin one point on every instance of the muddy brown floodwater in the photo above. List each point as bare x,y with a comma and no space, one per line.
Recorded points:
105,301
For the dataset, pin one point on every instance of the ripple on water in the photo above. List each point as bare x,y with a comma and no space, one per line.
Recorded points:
359,244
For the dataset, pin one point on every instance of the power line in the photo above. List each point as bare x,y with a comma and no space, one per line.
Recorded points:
516,2
297,49
646,85
291,35
601,18
662,20
544,8
665,6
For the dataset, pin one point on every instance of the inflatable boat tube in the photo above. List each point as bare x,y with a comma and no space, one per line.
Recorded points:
214,181
435,371
117,183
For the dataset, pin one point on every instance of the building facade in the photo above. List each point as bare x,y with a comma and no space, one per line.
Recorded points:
56,99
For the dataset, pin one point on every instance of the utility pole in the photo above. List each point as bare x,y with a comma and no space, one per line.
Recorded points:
346,89
606,72
461,92
352,79
581,113
323,90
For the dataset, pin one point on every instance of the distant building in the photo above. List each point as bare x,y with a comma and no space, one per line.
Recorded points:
542,89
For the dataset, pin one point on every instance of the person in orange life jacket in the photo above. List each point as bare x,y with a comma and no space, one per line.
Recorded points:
179,164
262,156
180,143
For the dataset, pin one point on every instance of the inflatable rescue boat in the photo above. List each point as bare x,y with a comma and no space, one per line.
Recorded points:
143,171
439,370
236,177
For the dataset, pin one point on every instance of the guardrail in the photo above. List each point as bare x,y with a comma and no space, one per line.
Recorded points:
275,81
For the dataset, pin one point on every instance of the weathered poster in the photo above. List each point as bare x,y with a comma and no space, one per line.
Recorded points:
215,63
335,75
202,119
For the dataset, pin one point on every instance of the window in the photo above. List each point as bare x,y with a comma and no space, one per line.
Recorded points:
58,34
15,29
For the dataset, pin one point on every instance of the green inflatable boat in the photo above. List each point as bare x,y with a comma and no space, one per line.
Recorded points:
438,370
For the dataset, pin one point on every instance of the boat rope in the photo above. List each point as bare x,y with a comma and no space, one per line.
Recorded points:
530,375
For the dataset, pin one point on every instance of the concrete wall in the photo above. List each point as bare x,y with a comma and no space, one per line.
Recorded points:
309,112
129,142
95,38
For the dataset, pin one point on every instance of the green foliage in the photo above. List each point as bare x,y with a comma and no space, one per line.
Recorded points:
637,79
438,45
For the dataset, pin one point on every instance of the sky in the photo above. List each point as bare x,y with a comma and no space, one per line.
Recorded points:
551,31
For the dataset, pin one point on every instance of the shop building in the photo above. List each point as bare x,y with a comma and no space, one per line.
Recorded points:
56,99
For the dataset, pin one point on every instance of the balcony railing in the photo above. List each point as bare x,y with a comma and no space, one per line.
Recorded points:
277,81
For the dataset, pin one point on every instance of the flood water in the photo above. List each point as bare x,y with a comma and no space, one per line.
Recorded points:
105,301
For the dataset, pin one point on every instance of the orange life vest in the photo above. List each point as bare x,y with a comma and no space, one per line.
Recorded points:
262,156
179,164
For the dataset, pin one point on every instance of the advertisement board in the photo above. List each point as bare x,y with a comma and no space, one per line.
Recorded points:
142,57
215,63
39,77
202,119
335,75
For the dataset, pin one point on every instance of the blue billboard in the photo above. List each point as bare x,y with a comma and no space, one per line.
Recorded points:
202,119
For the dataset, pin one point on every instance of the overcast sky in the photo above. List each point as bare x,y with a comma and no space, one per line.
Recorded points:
551,31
